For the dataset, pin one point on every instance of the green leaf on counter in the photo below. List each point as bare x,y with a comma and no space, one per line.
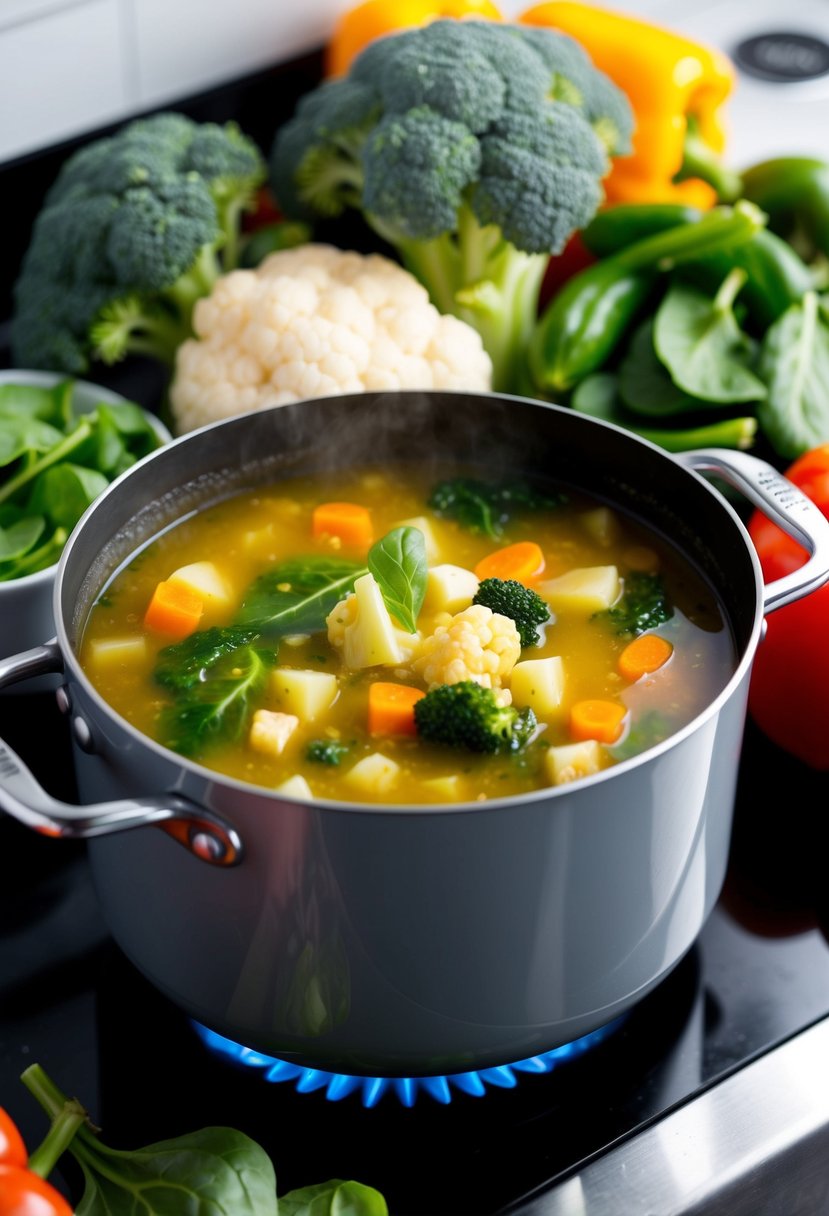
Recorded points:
794,362
298,594
398,563
702,346
645,385
334,1198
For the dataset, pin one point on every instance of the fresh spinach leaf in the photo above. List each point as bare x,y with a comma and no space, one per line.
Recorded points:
63,492
185,664
398,563
794,362
18,538
20,434
644,605
334,1198
488,507
35,559
298,594
645,385
213,1172
702,346
218,707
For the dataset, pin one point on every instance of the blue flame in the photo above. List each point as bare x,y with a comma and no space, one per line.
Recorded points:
340,1085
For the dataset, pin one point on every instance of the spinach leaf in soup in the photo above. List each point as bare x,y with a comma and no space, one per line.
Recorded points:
217,708
186,663
644,605
487,507
296,595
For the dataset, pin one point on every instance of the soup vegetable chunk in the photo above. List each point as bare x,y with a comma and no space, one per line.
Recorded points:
380,636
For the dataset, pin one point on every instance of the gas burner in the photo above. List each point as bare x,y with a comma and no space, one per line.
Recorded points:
339,1085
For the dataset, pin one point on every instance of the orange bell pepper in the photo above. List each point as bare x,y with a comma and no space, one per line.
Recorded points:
374,18
677,89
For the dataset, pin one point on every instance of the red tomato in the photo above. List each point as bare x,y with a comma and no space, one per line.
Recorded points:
789,693
12,1148
25,1194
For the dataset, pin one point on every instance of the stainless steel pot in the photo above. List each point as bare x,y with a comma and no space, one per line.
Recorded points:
411,940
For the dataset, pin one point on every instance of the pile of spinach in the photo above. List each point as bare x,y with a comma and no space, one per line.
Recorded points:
216,1170
215,676
54,462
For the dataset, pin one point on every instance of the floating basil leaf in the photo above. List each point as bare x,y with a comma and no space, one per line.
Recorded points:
794,362
702,346
334,1198
297,595
398,563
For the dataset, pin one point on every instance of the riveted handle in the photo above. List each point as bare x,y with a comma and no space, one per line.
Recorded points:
22,796
783,503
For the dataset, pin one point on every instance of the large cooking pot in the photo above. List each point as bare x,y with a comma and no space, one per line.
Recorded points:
410,940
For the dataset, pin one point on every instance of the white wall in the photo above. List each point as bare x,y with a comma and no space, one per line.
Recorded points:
69,65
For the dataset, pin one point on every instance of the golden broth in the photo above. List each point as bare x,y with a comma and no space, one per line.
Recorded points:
246,535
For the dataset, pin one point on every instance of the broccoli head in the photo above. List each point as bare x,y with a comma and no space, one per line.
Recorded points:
521,604
134,230
469,716
475,148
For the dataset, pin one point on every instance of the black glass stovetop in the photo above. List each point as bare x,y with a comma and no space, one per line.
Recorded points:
69,1000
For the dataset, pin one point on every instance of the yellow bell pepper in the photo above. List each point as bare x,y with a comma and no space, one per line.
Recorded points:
677,89
374,18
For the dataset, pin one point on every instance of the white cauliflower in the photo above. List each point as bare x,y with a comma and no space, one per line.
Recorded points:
362,629
314,322
476,644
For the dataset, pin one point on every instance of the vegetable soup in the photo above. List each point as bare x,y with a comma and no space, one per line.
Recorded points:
381,636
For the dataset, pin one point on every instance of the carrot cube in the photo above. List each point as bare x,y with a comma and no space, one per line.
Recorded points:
173,610
391,709
600,720
348,521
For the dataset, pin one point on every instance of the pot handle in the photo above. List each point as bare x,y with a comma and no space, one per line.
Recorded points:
206,835
783,503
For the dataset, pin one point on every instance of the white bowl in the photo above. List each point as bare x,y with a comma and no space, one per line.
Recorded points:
26,618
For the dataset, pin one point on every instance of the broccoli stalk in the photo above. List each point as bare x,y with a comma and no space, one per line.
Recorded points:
135,230
475,149
468,716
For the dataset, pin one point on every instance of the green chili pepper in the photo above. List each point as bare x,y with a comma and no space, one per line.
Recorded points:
583,324
627,223
794,192
776,277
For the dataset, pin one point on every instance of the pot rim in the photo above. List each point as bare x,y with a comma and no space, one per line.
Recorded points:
213,776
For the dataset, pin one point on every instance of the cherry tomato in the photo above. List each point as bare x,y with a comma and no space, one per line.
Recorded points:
12,1148
789,693
25,1194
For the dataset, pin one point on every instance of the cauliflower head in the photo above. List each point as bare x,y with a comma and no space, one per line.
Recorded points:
476,644
314,322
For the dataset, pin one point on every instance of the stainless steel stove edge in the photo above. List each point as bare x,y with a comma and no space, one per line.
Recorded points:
756,1144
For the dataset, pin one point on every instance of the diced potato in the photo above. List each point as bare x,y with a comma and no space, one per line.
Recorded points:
112,652
539,684
448,788
294,787
374,774
573,760
449,589
204,580
371,640
270,732
602,525
423,525
586,589
304,693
